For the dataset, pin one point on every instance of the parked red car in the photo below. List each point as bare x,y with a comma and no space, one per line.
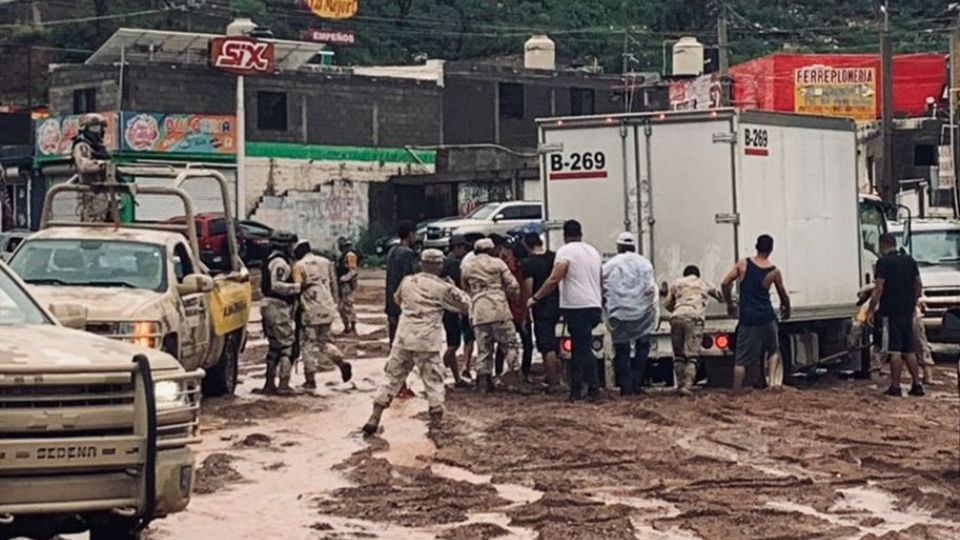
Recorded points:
212,233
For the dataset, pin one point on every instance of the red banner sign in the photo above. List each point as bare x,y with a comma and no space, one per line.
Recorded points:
333,37
242,55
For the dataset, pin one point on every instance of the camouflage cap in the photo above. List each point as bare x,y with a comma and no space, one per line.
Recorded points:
431,256
283,238
483,244
92,119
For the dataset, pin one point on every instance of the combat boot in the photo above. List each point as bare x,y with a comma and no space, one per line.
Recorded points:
486,383
270,384
346,370
310,381
436,418
284,388
373,423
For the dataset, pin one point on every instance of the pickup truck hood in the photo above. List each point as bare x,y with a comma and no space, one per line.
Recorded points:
38,345
457,223
114,304
940,276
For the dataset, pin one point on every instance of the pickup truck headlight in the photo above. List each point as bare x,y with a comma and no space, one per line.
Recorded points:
169,395
142,333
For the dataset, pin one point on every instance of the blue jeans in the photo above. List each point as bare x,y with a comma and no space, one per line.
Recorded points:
629,371
583,364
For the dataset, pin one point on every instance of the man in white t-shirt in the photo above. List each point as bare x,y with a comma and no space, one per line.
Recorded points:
577,271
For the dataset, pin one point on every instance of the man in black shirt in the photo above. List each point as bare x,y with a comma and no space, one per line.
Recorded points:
401,262
896,292
546,313
457,326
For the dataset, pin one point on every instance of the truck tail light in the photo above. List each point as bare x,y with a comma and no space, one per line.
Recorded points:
722,341
566,344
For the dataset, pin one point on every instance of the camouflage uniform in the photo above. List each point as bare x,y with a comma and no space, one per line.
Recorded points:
318,299
90,159
689,297
423,298
490,283
347,275
280,295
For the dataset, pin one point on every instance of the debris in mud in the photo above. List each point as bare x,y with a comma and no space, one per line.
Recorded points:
915,532
254,440
321,526
474,531
406,496
274,466
216,473
566,515
239,411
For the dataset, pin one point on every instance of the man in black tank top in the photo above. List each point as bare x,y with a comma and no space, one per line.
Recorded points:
757,331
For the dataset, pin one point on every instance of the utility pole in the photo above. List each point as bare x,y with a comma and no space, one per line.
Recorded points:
889,184
723,53
952,95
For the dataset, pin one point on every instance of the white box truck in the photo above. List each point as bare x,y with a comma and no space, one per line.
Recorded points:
699,188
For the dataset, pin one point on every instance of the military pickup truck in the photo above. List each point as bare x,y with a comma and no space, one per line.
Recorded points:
95,434
144,282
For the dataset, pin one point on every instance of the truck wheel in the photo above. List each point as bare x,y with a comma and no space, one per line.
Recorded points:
221,379
114,530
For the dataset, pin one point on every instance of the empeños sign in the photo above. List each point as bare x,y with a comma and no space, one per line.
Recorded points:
242,55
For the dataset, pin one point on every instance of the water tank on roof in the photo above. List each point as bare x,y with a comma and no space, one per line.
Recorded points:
540,52
687,57
241,27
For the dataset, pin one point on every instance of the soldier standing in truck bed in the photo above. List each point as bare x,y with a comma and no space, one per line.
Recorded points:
90,159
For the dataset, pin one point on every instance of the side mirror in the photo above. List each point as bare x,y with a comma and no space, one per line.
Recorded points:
195,283
497,218
71,315
951,319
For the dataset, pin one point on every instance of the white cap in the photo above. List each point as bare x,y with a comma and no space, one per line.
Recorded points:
626,239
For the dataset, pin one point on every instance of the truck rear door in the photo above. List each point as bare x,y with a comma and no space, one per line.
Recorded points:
687,168
592,179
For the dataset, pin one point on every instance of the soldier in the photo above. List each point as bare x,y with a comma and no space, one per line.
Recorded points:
491,285
423,298
318,300
280,296
347,274
90,158
687,299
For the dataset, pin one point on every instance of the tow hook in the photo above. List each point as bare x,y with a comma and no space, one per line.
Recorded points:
126,512
6,519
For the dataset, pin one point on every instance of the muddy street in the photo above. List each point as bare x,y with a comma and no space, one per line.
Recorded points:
834,460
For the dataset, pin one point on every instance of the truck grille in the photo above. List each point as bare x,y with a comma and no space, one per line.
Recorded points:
940,300
65,395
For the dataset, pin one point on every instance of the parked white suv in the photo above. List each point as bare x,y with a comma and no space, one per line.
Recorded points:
486,219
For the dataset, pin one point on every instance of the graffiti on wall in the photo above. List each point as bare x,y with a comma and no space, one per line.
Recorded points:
333,209
472,195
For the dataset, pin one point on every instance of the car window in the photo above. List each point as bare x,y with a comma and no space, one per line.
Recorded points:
485,211
182,265
218,227
521,212
16,307
93,263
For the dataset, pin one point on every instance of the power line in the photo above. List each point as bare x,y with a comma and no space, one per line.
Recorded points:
94,18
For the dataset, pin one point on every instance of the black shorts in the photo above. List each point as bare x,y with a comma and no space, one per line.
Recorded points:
545,333
756,343
458,330
896,335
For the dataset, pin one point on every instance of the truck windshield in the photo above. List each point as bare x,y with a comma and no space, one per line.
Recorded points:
934,247
91,263
16,308
484,211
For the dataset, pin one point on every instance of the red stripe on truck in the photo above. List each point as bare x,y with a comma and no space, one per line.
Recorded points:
578,175
756,152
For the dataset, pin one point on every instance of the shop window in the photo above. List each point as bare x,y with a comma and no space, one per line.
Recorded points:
84,100
581,101
272,111
511,100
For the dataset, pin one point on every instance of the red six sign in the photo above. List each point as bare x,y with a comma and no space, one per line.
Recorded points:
242,55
